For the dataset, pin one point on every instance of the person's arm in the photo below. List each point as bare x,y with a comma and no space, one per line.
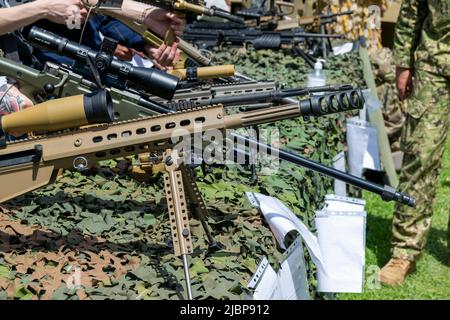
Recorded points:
12,100
406,39
58,11
156,19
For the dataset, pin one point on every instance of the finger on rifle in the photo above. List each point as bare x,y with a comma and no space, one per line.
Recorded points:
177,56
158,52
172,54
164,59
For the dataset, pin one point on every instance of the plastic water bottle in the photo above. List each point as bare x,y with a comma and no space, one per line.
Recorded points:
317,76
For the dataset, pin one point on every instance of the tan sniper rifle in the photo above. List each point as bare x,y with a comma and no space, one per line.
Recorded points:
31,163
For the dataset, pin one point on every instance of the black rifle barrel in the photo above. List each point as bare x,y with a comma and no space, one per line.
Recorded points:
154,106
332,15
260,97
275,95
224,14
387,193
317,35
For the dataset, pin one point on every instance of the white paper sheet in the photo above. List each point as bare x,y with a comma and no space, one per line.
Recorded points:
138,61
341,238
339,163
339,249
363,151
342,49
265,282
289,283
281,221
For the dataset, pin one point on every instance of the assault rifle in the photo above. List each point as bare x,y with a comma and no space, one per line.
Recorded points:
196,7
32,163
190,56
323,19
267,15
212,34
322,47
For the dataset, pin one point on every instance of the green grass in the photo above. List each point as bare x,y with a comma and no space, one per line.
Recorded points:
432,278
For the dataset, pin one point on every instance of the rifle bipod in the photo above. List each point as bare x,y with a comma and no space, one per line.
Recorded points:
181,193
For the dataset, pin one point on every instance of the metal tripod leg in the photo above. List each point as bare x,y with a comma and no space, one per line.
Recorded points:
198,205
178,214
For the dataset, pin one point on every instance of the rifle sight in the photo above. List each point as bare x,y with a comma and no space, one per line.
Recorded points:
151,80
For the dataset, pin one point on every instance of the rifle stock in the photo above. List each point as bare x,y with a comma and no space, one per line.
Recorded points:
25,178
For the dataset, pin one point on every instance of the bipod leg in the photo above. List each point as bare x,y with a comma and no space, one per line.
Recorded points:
198,205
178,214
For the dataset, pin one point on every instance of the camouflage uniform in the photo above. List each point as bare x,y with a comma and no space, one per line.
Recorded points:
422,42
393,110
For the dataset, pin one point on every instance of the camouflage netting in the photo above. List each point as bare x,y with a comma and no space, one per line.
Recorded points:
113,234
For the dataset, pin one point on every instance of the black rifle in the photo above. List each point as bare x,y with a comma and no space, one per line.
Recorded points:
212,34
323,19
267,15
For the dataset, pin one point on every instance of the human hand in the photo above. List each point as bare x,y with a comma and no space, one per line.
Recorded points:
165,56
62,11
160,20
403,82
124,53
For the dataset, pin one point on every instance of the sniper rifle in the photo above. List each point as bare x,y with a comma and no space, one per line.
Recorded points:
28,164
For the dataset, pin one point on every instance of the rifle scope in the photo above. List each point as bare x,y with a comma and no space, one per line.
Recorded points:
59,114
151,80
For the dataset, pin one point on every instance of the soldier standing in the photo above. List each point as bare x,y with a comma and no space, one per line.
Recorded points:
422,57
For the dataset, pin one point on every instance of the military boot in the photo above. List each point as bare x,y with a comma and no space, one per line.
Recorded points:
395,271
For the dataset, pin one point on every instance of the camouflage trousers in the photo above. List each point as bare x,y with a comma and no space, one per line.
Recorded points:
423,142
